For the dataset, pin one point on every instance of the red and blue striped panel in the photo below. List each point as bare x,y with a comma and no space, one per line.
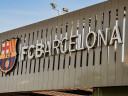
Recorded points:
11,63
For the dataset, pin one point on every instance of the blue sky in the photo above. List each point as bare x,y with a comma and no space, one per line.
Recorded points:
17,13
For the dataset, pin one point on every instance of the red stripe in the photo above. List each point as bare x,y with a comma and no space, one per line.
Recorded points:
5,47
3,64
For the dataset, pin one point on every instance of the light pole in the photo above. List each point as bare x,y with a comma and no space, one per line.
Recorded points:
59,11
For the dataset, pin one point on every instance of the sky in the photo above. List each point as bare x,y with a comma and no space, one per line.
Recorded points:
18,13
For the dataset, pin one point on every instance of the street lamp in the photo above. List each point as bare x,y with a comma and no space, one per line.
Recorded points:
59,11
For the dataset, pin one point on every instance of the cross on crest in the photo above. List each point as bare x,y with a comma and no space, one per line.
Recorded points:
5,48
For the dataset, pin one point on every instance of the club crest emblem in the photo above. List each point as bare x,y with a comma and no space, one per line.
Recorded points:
8,55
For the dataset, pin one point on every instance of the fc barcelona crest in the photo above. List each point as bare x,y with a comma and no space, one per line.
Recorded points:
8,55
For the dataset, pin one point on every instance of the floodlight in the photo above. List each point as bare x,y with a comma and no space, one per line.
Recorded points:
53,5
59,11
65,9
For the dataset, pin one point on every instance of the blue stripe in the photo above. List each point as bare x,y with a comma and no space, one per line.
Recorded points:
13,60
0,62
9,63
4,63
